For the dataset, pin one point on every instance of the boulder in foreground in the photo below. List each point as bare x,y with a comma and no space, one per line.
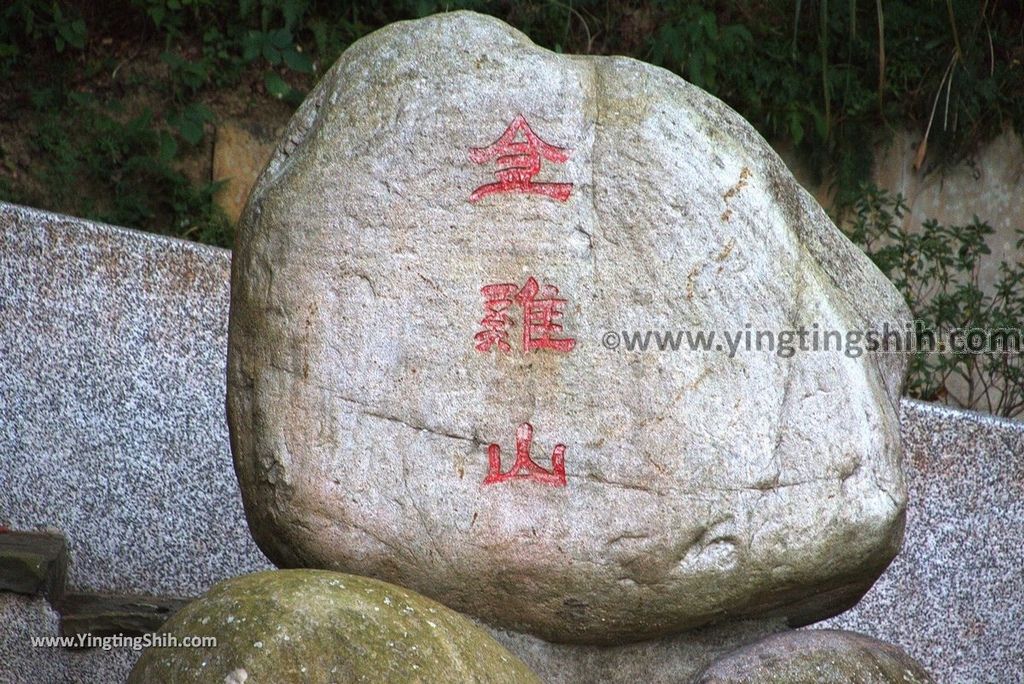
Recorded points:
816,656
324,627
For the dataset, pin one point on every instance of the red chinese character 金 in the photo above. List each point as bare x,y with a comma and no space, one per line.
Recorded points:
496,321
519,161
542,309
525,468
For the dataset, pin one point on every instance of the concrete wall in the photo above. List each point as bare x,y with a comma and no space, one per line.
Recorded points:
112,430
989,185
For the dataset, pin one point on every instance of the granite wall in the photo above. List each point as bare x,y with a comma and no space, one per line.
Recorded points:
112,431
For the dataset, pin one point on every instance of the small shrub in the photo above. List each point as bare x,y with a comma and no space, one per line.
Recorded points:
98,163
937,269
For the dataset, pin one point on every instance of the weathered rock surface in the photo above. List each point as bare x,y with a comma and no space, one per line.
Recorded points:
114,344
100,615
816,656
317,626
675,659
239,154
33,562
699,487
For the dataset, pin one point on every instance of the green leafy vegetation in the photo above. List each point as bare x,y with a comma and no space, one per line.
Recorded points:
115,148
830,77
120,173
938,269
113,103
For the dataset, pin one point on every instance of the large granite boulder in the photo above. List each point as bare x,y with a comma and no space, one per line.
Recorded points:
429,280
317,626
816,656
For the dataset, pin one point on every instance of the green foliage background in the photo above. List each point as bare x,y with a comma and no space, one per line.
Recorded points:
832,78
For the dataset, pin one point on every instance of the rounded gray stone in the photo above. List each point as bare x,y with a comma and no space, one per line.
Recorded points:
816,656
700,487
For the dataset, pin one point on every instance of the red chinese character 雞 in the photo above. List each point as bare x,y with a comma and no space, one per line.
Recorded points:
524,467
519,161
542,309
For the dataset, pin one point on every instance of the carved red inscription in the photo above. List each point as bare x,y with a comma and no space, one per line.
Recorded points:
524,467
541,307
518,153
496,321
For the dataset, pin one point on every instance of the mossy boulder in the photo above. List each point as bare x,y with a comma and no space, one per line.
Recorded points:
319,626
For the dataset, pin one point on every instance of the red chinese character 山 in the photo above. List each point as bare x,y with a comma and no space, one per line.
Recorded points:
524,467
519,160
541,307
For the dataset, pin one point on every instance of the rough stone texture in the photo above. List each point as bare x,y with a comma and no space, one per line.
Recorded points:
239,154
816,656
700,488
33,563
111,404
954,597
317,626
675,659
989,185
